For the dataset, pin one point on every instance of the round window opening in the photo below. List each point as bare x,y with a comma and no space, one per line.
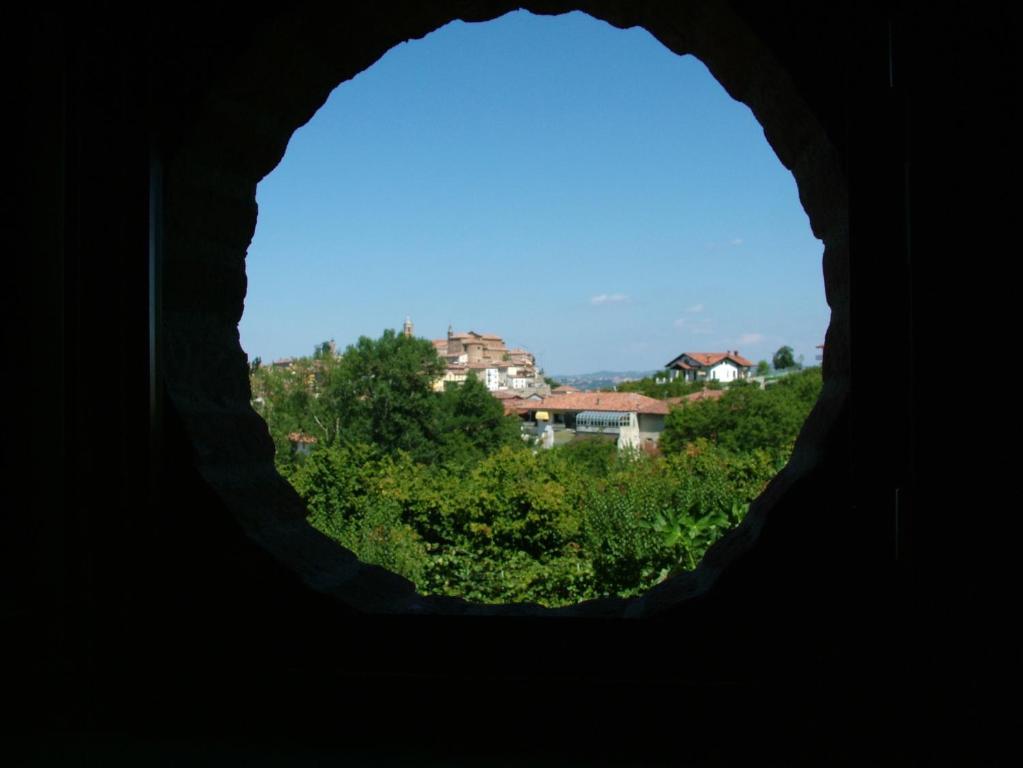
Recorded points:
534,313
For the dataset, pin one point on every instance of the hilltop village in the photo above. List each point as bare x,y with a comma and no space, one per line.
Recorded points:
559,414
486,355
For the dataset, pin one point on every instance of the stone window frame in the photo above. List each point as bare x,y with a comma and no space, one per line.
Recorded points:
208,216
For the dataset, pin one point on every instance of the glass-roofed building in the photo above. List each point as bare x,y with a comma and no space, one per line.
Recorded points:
633,419
604,422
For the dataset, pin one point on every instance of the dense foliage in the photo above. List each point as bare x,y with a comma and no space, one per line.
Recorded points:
661,388
553,527
380,392
451,497
746,417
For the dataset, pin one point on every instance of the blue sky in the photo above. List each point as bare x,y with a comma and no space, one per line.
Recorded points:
578,189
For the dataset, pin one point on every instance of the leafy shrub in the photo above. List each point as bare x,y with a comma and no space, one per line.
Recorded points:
472,512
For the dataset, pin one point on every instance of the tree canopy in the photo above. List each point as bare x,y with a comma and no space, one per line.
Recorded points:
472,423
555,527
746,417
783,359
382,392
440,487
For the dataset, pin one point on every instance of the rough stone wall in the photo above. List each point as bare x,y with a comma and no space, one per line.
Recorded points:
152,594
239,133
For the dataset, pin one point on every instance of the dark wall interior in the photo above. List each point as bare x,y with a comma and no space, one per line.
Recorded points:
870,621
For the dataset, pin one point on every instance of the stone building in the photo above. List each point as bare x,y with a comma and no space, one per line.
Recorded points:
472,347
486,355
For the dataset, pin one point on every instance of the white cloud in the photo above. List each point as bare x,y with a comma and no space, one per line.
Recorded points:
751,338
696,326
733,242
695,308
608,298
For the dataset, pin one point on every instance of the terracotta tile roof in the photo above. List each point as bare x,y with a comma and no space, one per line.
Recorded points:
565,389
298,437
506,394
477,335
603,401
518,407
740,359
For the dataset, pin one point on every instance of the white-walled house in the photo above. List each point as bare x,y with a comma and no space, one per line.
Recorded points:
709,366
492,378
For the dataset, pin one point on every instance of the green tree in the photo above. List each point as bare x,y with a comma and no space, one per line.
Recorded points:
354,496
472,423
440,488
289,401
746,418
382,393
763,368
783,359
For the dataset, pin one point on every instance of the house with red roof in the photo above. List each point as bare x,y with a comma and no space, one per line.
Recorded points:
632,419
709,366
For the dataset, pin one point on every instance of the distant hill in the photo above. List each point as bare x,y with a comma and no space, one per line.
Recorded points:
600,379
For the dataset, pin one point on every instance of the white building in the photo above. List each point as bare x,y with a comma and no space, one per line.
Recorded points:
709,366
492,379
